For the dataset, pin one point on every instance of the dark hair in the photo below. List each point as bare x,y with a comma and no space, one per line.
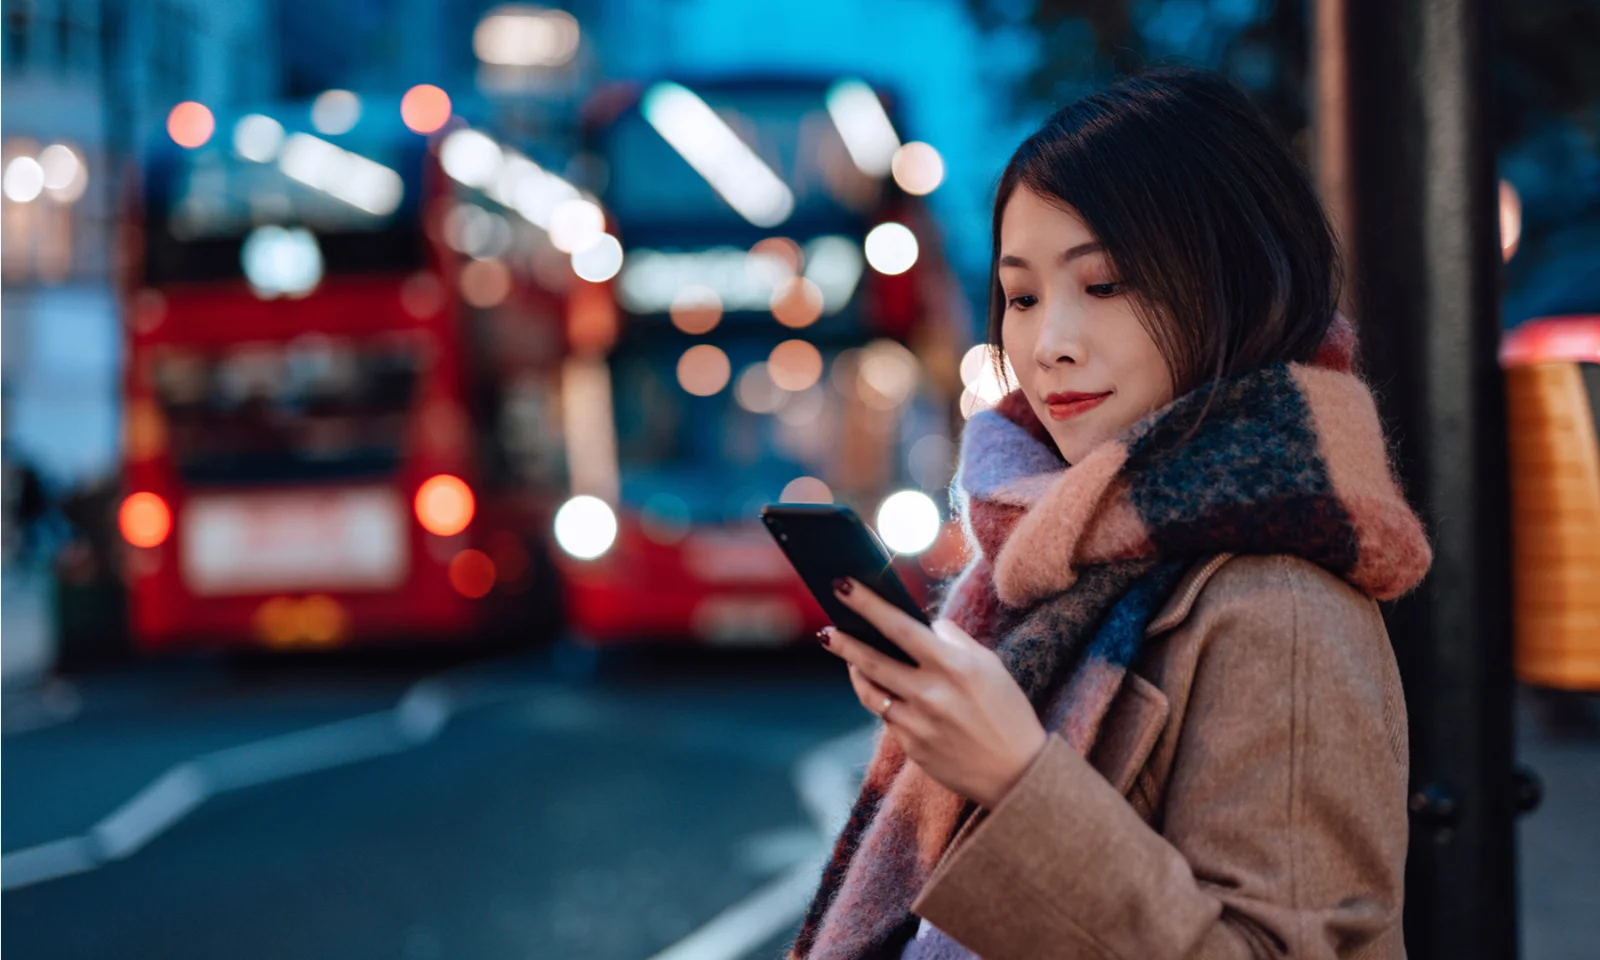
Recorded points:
1203,212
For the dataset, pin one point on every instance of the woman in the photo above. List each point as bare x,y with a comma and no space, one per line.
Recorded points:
1159,716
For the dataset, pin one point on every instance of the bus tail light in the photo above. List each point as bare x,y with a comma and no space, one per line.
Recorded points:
444,505
145,520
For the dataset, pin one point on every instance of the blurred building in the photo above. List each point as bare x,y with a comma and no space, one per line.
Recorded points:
84,81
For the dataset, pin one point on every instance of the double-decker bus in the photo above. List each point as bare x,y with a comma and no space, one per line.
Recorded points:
782,328
327,436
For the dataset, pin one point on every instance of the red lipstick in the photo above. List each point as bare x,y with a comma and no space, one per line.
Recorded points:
1065,406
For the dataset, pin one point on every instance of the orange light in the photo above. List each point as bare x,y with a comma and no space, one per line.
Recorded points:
444,505
322,620
145,520
472,573
425,108
190,124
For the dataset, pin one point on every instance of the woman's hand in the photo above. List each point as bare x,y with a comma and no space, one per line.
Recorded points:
959,715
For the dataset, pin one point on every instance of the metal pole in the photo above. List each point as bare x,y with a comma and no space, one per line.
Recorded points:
1407,166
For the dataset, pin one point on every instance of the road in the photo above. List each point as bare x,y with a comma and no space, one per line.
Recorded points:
475,808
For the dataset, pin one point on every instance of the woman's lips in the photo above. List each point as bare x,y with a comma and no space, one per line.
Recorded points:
1065,406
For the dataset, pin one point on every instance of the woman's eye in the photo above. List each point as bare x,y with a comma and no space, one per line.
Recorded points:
1104,289
1022,302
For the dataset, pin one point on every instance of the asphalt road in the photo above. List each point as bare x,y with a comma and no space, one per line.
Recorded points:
425,809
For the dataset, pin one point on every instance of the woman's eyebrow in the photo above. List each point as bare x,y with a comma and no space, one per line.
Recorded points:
1073,253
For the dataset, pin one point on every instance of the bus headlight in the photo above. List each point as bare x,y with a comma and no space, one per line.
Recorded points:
586,527
908,521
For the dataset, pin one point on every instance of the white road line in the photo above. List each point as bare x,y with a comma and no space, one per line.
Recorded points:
418,717
825,777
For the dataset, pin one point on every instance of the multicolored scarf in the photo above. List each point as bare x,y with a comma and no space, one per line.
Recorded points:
1071,563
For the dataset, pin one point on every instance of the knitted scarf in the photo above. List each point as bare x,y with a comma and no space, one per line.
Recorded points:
1070,563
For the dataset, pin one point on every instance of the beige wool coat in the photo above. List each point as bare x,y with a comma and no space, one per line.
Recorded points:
1246,797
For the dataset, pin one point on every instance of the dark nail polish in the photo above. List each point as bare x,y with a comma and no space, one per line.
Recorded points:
843,586
822,636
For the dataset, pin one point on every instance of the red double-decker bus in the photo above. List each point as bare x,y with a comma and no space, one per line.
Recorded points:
781,326
337,391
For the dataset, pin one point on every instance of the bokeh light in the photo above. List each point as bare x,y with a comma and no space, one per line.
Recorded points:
918,168
425,108
703,370
64,174
888,374
1510,220
794,365
444,505
144,519
517,35
575,225
190,124
600,260
585,527
806,490
891,248
797,303
485,283
257,137
755,390
24,179
908,521
335,111
472,573
696,309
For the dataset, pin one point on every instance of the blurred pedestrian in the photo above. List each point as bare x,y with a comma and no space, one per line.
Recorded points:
1159,716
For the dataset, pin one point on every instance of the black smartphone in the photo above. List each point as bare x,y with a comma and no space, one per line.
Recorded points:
826,542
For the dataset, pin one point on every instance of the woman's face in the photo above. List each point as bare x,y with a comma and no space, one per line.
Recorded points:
1086,363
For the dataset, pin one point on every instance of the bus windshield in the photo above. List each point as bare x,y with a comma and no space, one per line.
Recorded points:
359,199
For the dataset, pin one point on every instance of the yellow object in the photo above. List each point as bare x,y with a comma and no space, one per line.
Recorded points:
1555,493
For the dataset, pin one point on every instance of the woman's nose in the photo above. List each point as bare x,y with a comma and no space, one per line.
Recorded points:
1059,343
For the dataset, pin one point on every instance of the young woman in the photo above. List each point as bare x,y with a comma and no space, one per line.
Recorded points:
1159,716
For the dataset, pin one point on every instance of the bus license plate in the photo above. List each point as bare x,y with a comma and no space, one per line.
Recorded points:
746,621
328,540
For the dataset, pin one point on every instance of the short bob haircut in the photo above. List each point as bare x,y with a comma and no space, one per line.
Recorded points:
1203,212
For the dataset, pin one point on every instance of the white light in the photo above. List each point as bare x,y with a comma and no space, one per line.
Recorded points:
982,380
281,262
865,128
586,527
599,261
891,248
257,137
834,264
65,176
364,184
575,225
889,373
715,152
24,179
918,168
470,157
521,36
335,112
908,521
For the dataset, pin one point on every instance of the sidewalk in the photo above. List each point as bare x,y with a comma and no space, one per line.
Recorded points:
27,627
1558,845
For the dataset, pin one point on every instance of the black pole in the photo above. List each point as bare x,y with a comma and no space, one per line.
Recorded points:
1407,165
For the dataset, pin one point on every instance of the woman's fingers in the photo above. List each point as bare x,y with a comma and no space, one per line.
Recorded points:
910,635
898,678
871,695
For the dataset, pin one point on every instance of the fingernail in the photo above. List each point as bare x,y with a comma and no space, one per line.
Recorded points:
822,636
843,586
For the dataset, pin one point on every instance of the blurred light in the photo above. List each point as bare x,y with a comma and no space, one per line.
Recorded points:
755,390
654,278
364,184
335,111
472,574
474,231
280,261
485,283
144,431
470,157
321,619
600,261
665,518
444,505
145,520
834,264
806,490
257,137
585,527
864,126
715,152
278,621
932,461
891,248
63,172
776,259
1510,220
908,521
703,370
696,309
887,374
514,35
24,179
422,295
190,124
918,168
802,409
973,361
425,108
575,224
794,365
985,385
797,303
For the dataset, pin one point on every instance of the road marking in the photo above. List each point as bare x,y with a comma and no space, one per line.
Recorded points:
826,778
418,717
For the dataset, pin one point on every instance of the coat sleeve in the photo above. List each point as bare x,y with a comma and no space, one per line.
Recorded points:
1282,825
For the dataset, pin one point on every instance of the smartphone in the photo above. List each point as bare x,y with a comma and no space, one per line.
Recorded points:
826,542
